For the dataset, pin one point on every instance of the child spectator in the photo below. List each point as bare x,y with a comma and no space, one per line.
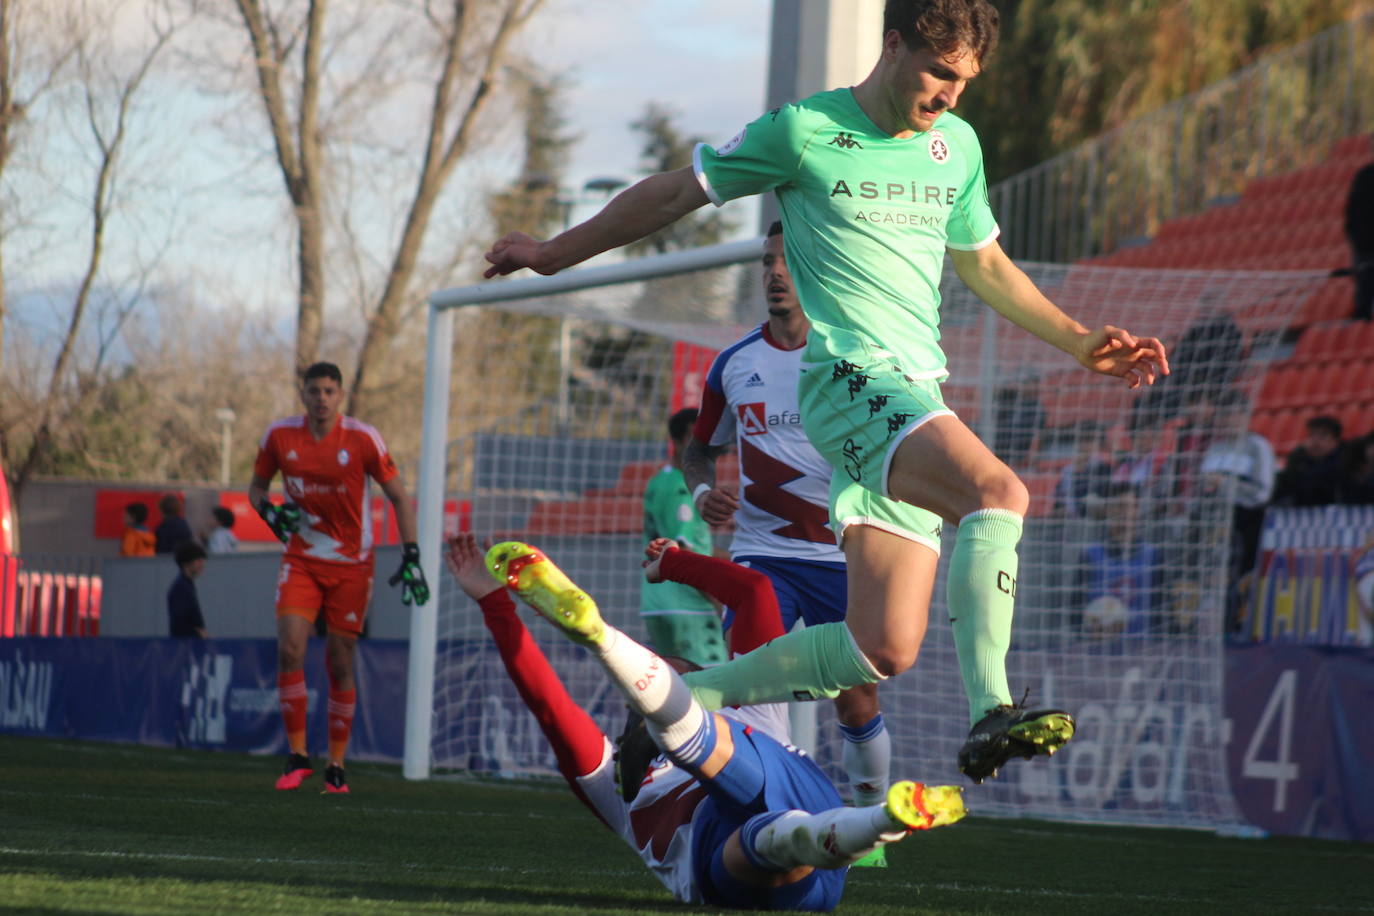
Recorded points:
221,538
172,530
1120,577
137,540
183,605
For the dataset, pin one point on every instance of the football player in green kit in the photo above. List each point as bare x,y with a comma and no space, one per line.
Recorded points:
876,183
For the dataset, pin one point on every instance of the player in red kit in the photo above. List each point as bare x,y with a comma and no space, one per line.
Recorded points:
328,462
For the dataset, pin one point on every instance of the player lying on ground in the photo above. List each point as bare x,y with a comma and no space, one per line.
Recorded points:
731,815
876,183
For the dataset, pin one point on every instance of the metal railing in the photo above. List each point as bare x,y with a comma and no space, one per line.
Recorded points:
1281,113
50,595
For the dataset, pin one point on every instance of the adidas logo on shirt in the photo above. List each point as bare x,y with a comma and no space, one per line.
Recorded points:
754,381
291,455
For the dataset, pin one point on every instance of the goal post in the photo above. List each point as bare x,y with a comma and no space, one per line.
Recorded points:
434,437
559,389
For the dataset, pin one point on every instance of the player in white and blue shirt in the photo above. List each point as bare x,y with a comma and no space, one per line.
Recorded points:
781,513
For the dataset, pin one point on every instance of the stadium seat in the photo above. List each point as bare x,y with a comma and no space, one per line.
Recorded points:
1351,380
593,515
1301,387
1318,341
1041,487
1272,388
1364,422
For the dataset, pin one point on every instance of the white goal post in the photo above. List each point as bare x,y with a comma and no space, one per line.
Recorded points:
434,439
546,422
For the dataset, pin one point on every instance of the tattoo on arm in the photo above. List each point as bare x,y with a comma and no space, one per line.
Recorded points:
699,464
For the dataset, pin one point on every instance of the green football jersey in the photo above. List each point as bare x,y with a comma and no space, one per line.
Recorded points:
866,220
669,513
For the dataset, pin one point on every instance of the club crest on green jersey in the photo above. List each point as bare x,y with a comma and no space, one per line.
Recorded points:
939,148
729,146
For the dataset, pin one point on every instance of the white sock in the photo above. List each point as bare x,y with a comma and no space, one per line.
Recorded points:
830,839
652,688
867,758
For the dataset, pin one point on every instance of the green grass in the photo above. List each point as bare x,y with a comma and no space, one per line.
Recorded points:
95,828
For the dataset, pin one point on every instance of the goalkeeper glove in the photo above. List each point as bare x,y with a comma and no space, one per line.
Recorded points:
410,576
283,520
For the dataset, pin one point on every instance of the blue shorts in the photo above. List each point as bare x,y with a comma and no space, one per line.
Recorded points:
814,591
765,776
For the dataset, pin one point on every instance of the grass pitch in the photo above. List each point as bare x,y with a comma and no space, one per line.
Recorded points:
96,828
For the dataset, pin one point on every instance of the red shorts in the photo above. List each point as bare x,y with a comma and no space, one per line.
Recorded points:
342,590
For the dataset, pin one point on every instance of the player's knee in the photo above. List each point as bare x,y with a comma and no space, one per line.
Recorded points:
890,660
1004,491
290,657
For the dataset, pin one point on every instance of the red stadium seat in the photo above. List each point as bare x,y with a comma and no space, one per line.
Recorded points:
1360,146
593,515
1318,341
1351,380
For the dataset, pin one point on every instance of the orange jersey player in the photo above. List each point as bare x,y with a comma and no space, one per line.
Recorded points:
327,462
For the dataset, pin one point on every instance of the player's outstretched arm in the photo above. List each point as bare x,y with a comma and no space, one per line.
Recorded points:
1109,350
640,210
716,504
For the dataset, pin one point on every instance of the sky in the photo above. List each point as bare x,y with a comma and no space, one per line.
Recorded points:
212,212
704,59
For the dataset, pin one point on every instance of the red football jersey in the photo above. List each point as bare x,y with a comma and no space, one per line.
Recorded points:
330,480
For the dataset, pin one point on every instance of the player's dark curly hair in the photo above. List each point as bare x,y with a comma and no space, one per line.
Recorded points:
944,25
680,423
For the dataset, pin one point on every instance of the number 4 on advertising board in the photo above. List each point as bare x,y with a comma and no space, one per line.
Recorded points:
1278,713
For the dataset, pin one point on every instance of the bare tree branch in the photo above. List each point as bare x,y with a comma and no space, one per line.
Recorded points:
109,141
443,150
299,156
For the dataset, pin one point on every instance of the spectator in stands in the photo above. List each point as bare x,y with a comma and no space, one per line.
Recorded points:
1120,577
1241,463
183,604
680,620
1358,486
1020,418
137,540
1087,474
221,538
1312,475
1209,357
173,530
1359,229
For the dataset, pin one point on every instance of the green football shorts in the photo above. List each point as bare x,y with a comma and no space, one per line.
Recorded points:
855,414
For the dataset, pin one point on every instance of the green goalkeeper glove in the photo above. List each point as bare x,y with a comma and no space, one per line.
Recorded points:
410,576
283,520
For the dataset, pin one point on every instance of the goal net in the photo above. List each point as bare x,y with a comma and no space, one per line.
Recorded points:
558,403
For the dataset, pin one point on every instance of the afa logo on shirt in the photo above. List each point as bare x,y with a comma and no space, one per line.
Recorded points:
755,419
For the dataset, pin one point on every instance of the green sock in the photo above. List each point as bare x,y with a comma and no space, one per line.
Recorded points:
806,664
982,595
